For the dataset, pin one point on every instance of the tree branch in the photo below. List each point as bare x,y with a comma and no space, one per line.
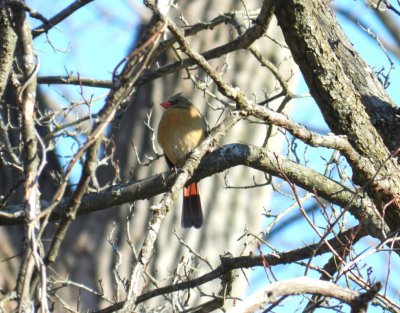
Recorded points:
26,99
243,262
59,17
331,53
336,78
241,42
8,40
306,285
135,64
217,161
75,80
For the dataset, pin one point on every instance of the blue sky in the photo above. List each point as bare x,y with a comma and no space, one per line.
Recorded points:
89,43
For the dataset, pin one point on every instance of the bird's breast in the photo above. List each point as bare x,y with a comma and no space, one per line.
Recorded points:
179,133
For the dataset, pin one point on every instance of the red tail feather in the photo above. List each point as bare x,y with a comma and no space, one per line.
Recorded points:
192,214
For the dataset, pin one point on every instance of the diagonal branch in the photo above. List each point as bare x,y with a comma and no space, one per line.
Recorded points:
349,96
136,62
244,41
59,17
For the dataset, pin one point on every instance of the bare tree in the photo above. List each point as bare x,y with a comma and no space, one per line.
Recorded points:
108,243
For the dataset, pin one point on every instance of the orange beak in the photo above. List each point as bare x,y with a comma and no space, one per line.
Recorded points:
166,104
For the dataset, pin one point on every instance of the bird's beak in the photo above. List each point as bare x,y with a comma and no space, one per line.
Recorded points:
166,104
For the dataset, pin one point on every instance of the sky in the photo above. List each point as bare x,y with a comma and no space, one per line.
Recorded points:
74,49
89,43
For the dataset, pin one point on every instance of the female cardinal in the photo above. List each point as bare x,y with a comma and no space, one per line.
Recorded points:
182,128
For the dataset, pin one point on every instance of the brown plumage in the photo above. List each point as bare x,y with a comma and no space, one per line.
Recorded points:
182,128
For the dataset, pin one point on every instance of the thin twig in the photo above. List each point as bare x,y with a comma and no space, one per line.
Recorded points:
62,15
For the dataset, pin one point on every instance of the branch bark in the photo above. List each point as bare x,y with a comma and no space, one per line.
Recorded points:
26,100
8,40
351,99
219,160
306,285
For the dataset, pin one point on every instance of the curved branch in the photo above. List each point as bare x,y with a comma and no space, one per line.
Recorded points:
33,165
306,285
191,30
217,161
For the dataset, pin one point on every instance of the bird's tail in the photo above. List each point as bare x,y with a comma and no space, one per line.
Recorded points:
192,214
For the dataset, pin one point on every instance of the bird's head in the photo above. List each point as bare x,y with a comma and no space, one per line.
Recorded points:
177,101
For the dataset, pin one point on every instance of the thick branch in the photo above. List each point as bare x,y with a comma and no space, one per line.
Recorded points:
8,40
322,50
336,76
306,285
217,161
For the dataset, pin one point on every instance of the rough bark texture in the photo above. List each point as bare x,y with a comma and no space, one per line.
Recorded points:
351,99
8,175
8,39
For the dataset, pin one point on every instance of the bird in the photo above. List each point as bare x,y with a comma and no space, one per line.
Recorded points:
181,129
